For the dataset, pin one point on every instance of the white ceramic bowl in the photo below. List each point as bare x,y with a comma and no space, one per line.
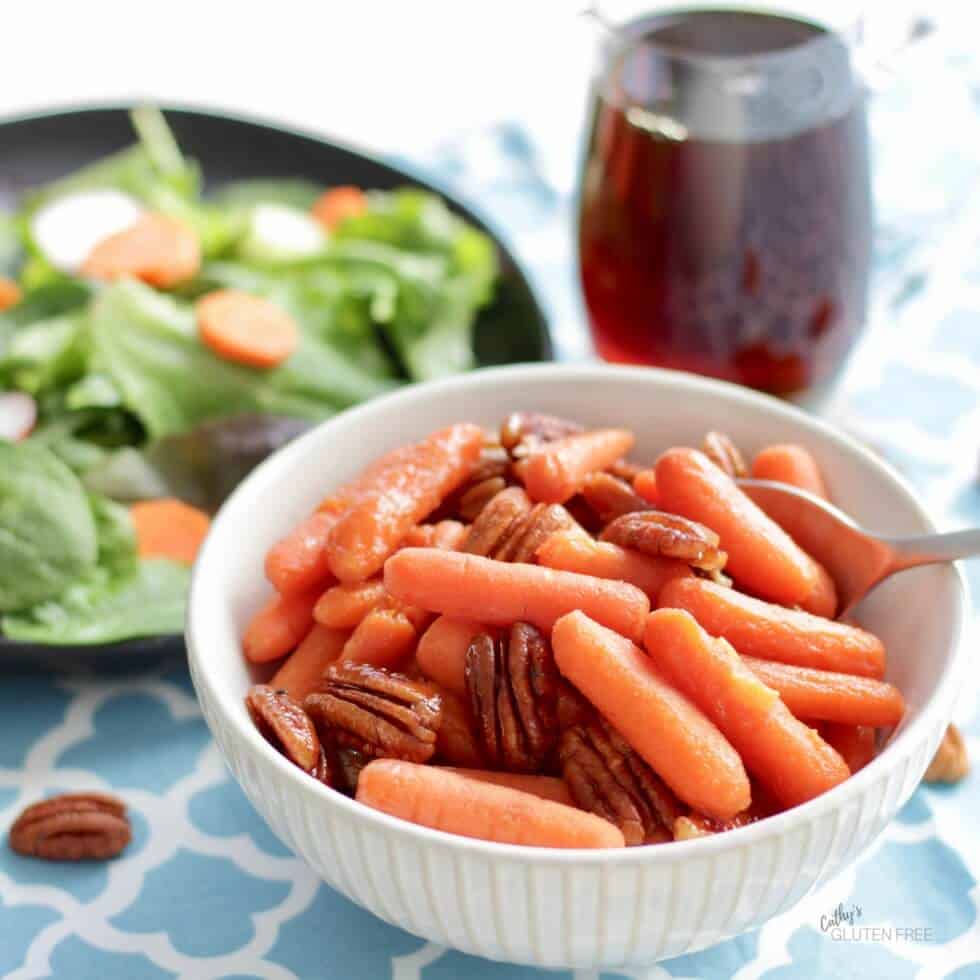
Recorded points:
572,908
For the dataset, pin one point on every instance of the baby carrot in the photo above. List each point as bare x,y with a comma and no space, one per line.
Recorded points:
298,562
472,587
546,787
790,464
770,632
448,801
855,743
156,248
10,293
301,672
762,557
338,203
575,552
788,758
553,473
384,638
279,626
446,534
822,695
395,499
169,528
645,484
441,653
671,733
342,607
246,329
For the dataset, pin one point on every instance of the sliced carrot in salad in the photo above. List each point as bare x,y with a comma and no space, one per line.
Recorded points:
337,204
168,528
246,329
9,293
160,250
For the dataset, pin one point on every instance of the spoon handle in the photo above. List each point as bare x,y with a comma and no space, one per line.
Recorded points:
933,548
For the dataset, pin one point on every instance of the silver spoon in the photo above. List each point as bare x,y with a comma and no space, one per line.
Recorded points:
856,560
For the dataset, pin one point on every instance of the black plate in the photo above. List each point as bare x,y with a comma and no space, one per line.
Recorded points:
39,148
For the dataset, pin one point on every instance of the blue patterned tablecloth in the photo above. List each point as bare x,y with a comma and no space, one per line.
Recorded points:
206,891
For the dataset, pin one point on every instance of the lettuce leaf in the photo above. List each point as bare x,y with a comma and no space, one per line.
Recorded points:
48,533
146,344
104,608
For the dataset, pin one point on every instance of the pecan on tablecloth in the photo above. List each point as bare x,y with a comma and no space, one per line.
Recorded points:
72,827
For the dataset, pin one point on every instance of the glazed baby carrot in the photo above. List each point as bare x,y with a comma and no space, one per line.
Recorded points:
576,552
302,671
546,787
472,587
342,607
10,293
299,562
855,743
169,528
279,626
385,637
645,484
441,652
446,534
791,760
669,731
762,557
770,632
555,472
338,203
444,800
374,524
790,464
246,329
821,695
156,248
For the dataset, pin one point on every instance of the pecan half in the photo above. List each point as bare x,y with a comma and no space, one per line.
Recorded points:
523,432
657,533
478,495
527,535
284,724
950,764
607,777
573,709
495,521
611,497
724,454
72,827
457,744
490,474
376,712
513,684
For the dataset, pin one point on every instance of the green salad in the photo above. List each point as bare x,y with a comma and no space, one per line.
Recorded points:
112,391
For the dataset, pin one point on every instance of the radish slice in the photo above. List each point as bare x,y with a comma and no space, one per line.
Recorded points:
68,228
18,413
